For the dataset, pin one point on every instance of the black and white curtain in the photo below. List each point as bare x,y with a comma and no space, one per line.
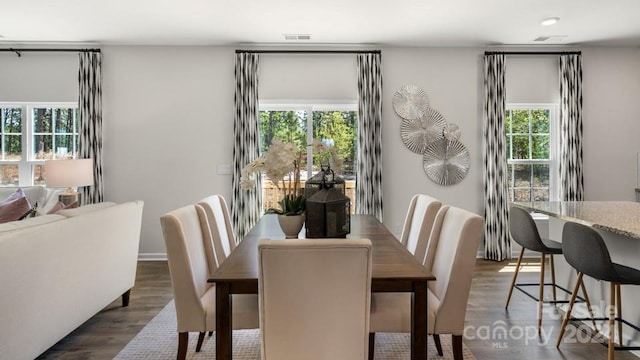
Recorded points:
90,121
497,243
570,157
246,205
369,178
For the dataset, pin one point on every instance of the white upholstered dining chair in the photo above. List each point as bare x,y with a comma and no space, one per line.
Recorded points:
314,298
418,223
213,211
454,244
194,296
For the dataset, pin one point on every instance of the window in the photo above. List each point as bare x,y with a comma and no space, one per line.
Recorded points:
531,166
32,133
335,124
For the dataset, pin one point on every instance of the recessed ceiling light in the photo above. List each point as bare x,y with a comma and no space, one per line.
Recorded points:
549,21
297,37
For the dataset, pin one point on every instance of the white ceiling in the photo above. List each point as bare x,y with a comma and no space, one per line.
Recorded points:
331,22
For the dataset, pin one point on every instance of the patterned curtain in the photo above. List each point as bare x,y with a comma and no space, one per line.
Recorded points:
90,121
246,205
571,173
369,177
497,243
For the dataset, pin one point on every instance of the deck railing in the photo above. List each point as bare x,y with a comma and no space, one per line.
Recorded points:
271,197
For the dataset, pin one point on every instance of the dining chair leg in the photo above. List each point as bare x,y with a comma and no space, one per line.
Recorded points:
612,315
372,345
183,341
567,315
541,294
515,275
200,340
210,333
588,302
436,341
553,277
456,343
619,311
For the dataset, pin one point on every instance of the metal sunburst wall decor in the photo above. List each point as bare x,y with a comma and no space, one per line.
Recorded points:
410,102
425,131
446,162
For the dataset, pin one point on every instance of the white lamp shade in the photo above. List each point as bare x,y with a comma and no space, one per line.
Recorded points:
68,173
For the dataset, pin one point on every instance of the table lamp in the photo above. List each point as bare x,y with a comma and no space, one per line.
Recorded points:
69,174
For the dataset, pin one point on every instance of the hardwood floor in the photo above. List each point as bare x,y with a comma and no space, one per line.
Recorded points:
104,335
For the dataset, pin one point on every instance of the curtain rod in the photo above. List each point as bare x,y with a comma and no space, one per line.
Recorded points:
310,51
533,52
20,51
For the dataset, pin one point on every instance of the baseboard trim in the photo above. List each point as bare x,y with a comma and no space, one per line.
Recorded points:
152,257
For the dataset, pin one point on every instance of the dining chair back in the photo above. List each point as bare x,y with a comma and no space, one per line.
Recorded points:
418,224
314,298
217,229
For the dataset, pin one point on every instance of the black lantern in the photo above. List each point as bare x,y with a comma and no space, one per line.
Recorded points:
327,213
324,176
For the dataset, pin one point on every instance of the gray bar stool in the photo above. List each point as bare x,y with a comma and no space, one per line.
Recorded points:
585,250
524,232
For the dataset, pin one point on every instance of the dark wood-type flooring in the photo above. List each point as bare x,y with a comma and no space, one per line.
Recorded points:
104,335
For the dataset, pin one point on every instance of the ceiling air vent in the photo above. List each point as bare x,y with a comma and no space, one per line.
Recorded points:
550,38
297,37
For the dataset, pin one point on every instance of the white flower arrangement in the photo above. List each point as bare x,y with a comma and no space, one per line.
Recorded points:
281,160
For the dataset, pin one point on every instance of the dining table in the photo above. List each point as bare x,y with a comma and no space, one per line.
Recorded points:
394,269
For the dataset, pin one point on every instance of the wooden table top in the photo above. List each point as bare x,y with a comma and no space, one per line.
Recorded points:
391,261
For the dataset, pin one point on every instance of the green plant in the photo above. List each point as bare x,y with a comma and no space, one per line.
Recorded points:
290,205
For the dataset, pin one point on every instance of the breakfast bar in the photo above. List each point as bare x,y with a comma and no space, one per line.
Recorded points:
619,224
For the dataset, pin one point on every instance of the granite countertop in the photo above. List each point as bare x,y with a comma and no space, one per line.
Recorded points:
620,217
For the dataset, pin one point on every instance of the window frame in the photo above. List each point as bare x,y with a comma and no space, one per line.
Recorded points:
553,109
27,163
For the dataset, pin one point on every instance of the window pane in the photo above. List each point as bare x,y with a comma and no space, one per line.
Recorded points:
540,121
541,175
42,120
338,128
12,147
10,175
38,175
43,147
12,120
287,126
541,195
520,121
64,147
507,122
64,120
540,147
522,175
522,195
520,145
508,144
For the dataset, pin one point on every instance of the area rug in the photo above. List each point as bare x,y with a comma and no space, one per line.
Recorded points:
158,340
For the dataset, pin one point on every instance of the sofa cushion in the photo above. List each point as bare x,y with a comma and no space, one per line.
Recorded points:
39,220
35,194
85,209
15,209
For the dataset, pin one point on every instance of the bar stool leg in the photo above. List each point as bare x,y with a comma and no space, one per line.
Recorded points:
515,275
553,276
612,315
541,295
567,315
619,308
588,302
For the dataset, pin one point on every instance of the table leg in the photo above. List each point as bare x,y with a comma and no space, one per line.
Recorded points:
223,322
419,322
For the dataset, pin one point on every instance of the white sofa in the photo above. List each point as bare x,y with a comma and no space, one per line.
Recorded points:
57,271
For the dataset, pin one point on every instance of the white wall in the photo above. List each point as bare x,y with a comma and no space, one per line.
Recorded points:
611,93
51,77
168,121
168,116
